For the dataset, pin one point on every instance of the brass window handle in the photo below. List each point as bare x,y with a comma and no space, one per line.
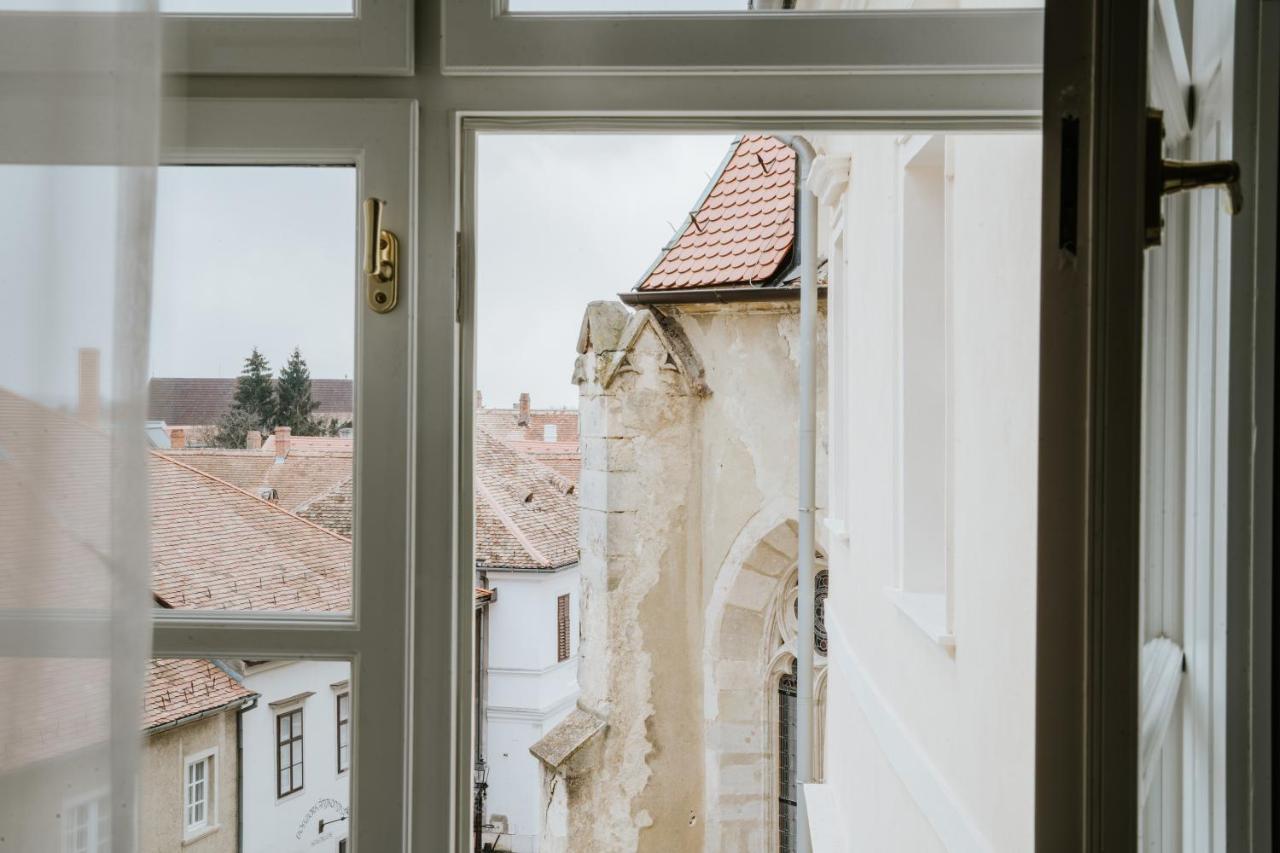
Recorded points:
381,256
1165,177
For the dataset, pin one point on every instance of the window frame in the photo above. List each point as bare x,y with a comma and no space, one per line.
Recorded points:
929,609
377,39
481,38
297,734
208,759
94,802
378,138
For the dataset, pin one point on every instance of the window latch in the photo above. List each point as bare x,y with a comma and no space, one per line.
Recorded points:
381,252
1165,177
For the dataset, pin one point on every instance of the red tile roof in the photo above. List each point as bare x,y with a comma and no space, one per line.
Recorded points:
304,475
201,401
501,424
742,231
214,546
333,509
526,514
179,689
560,455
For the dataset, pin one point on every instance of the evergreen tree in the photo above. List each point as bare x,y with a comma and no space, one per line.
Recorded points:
294,404
252,408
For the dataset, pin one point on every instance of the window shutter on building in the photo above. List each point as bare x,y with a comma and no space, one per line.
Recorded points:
562,627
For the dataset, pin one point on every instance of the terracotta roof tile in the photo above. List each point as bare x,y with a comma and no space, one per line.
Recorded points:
201,401
177,689
742,232
526,514
305,473
215,546
332,509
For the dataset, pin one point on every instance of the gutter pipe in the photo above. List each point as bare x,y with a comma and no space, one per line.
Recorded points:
807,243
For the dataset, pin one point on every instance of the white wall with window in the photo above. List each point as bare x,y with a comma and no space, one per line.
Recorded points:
533,684
292,779
940,323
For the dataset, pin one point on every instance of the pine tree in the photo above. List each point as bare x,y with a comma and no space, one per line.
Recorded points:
252,408
294,404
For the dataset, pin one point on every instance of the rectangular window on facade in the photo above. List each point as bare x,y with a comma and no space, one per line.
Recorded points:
344,732
562,628
924,401
288,753
198,794
87,827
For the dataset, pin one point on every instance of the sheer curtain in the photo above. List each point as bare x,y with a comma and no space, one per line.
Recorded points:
79,110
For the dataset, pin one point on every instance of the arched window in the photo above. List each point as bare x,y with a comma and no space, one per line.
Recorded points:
782,687
787,761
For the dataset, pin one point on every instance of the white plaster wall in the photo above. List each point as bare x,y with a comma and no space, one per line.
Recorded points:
927,748
529,691
290,825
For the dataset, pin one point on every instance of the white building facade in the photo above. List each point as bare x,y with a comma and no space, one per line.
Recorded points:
933,245
532,684
296,757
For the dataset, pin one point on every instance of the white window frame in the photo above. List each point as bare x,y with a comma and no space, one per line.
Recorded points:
96,804
377,39
481,38
468,124
209,760
929,608
378,138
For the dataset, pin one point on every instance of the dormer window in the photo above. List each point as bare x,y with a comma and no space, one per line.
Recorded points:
549,433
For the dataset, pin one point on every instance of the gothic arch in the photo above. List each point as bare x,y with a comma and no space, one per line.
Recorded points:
747,633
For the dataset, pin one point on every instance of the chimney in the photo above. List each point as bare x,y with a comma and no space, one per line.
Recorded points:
89,402
522,411
177,438
282,442
479,399
253,440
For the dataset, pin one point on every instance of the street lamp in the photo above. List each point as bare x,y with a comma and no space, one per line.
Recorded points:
480,775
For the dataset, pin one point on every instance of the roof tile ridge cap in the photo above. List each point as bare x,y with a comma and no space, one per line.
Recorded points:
512,527
236,488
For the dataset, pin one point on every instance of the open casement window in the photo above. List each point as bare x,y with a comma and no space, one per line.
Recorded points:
1154,648
350,605
549,36
243,36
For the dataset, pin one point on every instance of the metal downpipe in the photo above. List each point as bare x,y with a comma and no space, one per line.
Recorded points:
807,243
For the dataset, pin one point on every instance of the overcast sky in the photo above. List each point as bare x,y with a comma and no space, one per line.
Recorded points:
265,256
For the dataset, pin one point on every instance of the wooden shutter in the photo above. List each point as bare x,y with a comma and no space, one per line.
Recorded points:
562,628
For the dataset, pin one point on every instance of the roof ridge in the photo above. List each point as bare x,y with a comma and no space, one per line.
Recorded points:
512,527
236,488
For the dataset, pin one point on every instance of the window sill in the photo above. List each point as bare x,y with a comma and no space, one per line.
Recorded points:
928,610
199,834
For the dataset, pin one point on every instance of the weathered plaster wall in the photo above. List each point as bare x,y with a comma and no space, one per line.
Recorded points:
164,784
967,715
672,477
638,500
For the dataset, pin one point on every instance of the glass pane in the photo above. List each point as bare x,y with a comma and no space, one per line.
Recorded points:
194,705
251,390
665,505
